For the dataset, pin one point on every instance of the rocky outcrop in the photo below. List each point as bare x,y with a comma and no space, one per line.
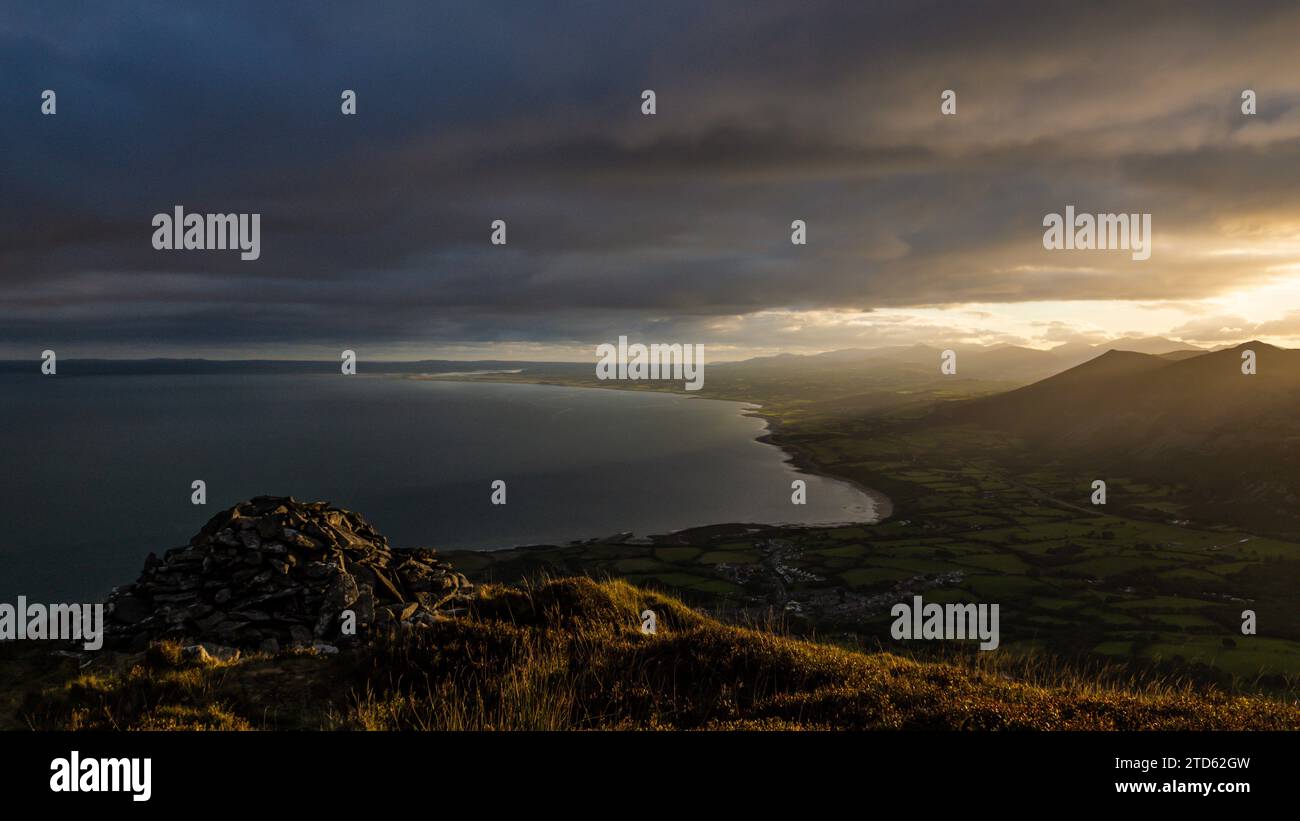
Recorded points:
275,572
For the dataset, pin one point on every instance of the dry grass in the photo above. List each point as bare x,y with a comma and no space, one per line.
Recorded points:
568,654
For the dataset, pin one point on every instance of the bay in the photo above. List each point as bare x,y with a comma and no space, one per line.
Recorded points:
97,470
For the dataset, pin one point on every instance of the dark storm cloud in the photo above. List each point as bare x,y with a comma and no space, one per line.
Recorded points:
375,227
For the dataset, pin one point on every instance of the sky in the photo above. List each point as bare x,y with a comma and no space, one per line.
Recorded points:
375,228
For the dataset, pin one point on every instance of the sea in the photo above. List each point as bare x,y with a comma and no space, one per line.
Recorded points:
97,471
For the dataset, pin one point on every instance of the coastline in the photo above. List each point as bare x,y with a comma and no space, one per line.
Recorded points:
803,462
798,458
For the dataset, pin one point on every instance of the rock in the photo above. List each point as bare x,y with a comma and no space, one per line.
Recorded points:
211,622
130,610
386,585
342,592
197,611
325,622
318,570
364,606
228,630
194,652
176,598
273,571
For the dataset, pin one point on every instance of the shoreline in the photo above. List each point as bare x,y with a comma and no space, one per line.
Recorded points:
804,463
796,457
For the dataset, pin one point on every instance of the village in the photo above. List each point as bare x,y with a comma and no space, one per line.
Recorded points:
775,582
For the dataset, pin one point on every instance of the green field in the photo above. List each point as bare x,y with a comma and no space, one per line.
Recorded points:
978,517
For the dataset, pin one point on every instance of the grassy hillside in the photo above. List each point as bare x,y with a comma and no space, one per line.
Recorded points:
569,654
1229,442
1147,394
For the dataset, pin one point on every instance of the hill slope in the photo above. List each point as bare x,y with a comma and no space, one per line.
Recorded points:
1191,420
569,654
1123,397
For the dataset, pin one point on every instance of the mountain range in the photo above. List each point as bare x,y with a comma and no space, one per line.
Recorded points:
1003,363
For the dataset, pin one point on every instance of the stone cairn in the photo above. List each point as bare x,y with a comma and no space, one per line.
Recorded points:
274,572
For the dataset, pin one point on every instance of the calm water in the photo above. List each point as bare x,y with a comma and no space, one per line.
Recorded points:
97,470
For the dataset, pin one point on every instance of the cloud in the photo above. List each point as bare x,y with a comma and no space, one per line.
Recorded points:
1288,325
1215,329
1066,332
375,228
